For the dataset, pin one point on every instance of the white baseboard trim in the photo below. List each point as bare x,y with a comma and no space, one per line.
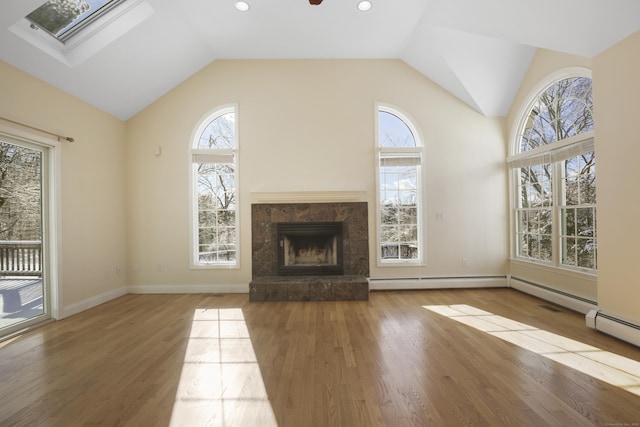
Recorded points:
569,301
189,289
614,326
384,284
94,301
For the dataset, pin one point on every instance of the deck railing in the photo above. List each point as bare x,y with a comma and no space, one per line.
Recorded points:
20,258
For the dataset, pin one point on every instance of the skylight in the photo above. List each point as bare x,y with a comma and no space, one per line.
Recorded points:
64,18
72,31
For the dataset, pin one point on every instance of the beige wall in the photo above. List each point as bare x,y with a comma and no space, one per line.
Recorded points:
124,207
616,95
92,234
309,126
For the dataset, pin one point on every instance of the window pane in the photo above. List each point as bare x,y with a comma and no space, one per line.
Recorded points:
569,216
545,247
521,220
571,189
534,246
220,133
523,244
569,251
588,178
207,235
532,221
534,238
393,131
389,233
409,233
390,251
572,167
206,218
60,17
585,225
586,253
562,111
408,215
407,197
535,186
389,216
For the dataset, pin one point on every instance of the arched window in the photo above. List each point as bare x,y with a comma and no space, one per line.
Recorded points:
214,202
554,168
399,188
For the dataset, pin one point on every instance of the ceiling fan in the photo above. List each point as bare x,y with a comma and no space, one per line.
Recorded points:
315,2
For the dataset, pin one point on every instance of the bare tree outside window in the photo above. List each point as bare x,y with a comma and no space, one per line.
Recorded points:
56,15
214,162
398,189
562,111
20,193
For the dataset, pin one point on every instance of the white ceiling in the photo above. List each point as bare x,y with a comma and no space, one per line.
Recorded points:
478,50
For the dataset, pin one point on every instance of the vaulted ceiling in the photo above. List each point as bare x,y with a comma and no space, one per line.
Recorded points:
478,50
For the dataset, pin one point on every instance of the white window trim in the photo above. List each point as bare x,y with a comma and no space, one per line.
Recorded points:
583,140
193,211
418,150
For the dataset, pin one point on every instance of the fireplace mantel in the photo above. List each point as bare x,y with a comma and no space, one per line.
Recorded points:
308,196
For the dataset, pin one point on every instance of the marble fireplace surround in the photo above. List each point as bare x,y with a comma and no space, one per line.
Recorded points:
266,285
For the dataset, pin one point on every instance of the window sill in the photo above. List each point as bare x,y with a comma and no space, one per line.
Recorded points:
214,266
401,264
578,273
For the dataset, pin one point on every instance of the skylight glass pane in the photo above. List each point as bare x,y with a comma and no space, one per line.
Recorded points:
62,18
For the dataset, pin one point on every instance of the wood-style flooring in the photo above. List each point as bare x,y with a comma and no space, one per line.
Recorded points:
405,358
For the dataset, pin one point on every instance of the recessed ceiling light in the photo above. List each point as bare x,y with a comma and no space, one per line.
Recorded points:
364,5
242,6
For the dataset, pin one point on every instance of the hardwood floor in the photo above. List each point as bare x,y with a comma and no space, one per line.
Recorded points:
169,360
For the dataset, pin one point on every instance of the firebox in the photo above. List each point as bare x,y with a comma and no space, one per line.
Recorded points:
310,248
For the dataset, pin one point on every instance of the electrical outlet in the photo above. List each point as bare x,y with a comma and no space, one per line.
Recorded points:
159,268
465,263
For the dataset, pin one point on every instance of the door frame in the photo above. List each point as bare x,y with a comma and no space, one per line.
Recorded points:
51,226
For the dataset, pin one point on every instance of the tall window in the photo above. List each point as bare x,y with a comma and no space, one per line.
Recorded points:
555,171
399,167
214,185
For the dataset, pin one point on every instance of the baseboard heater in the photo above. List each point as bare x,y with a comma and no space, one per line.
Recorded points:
614,326
464,282
573,302
595,319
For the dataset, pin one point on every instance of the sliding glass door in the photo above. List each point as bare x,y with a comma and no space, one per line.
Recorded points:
24,290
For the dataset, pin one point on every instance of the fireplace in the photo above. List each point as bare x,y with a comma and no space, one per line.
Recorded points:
309,252
309,248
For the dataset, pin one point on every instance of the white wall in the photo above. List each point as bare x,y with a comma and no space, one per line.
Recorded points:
309,126
92,234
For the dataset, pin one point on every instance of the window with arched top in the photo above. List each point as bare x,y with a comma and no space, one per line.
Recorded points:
399,188
554,167
214,201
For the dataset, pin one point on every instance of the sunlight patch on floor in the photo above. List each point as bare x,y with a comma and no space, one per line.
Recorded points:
602,365
221,383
